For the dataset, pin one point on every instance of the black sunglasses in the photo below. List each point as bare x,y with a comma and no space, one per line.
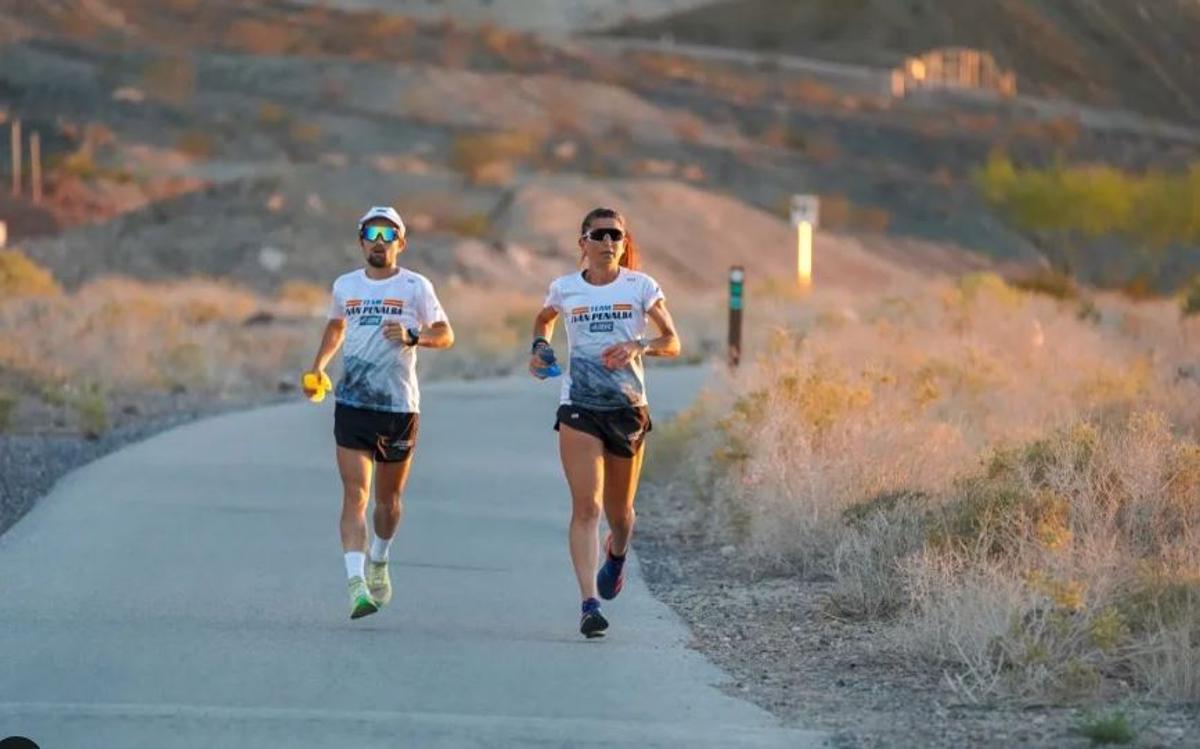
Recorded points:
599,235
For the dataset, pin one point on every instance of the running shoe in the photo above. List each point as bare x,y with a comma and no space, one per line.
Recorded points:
361,603
379,582
592,623
611,576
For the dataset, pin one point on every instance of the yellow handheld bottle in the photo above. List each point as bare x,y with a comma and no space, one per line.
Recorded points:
318,387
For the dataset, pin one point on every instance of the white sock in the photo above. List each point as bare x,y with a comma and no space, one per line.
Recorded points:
356,562
379,548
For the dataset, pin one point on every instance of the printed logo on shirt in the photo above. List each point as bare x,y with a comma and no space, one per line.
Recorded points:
602,312
374,307
601,327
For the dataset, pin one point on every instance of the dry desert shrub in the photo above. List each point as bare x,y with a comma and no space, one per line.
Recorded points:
1014,481
117,333
490,158
212,337
21,277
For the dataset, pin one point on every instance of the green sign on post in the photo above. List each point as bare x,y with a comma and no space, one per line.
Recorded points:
736,278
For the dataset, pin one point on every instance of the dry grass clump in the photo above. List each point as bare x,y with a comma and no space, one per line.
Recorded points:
21,277
74,350
491,158
1012,479
1067,566
119,334
212,337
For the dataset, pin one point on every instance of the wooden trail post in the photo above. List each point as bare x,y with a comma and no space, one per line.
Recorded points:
16,158
35,165
736,278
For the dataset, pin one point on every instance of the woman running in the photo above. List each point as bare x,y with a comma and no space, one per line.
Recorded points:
603,417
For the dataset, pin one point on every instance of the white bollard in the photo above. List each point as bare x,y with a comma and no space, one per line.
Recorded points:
804,255
805,210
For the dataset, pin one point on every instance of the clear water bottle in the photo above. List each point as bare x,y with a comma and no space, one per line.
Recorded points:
549,367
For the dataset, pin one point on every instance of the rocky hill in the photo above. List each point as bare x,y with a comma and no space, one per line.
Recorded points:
278,122
1137,54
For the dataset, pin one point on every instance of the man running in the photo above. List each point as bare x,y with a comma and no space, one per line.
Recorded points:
382,313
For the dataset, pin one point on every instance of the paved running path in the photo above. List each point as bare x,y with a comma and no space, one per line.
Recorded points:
188,591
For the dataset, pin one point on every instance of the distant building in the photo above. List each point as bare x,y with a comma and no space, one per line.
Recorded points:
953,68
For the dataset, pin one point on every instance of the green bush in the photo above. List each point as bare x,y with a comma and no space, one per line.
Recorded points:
1190,303
8,404
88,402
1106,729
1093,201
1048,282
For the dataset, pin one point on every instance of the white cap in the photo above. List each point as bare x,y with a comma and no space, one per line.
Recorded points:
384,212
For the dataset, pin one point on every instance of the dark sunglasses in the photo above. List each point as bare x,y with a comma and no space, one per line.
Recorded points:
599,235
376,233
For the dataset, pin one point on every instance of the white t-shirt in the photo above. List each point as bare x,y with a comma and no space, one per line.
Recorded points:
596,317
380,374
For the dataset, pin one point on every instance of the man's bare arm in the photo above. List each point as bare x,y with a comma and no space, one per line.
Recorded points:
335,333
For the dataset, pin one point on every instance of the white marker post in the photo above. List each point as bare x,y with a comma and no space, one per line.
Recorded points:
805,210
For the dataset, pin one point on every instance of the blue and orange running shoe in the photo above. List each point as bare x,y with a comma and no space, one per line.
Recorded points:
611,576
592,623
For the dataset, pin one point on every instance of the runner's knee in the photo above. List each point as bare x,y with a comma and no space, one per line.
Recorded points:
391,502
354,496
587,512
622,520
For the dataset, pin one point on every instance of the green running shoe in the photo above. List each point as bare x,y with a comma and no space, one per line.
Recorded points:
379,582
361,603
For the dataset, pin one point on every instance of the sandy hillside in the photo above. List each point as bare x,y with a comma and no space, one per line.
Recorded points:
690,236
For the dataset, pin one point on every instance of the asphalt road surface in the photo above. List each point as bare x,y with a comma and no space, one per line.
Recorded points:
188,591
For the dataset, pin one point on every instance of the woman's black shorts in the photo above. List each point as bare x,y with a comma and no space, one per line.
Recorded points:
622,430
389,436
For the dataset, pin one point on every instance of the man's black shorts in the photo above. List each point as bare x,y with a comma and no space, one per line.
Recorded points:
622,430
390,437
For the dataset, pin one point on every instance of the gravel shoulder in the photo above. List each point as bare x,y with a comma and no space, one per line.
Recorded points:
31,463
786,654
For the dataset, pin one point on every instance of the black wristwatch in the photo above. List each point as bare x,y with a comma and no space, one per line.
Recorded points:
414,336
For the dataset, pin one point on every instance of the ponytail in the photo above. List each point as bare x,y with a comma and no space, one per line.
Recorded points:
630,259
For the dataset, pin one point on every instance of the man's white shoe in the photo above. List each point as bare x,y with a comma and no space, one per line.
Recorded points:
379,582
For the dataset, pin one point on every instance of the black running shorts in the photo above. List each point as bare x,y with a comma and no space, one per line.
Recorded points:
390,437
622,430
